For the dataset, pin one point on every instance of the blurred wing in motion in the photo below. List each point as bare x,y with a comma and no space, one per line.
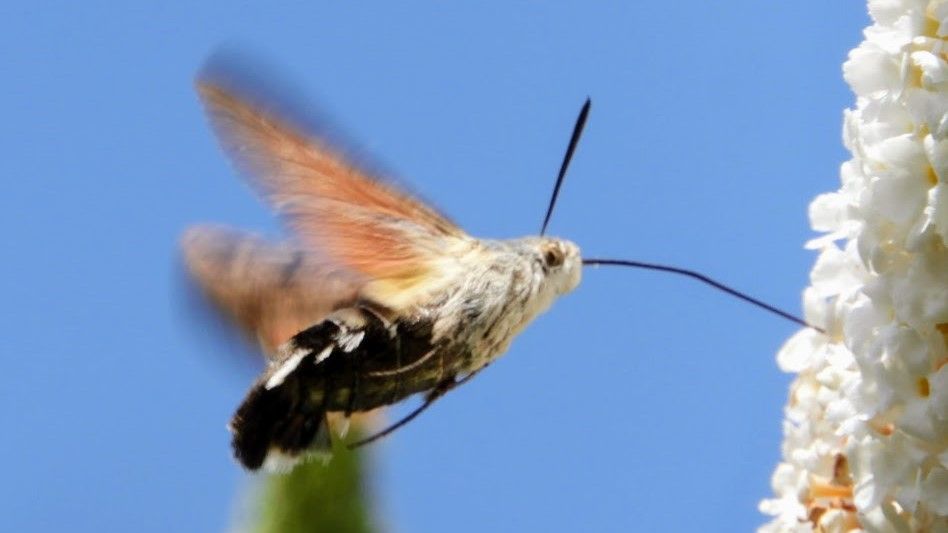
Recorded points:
402,249
272,291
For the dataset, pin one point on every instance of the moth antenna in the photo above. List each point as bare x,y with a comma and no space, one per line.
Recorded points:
573,141
437,392
705,279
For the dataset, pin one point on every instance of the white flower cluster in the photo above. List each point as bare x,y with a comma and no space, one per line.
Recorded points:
866,429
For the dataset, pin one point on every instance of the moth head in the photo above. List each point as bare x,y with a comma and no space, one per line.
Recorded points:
559,262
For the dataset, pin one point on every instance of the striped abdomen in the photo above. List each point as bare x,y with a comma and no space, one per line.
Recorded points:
353,361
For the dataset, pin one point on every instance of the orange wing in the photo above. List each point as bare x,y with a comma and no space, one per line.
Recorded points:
272,291
402,248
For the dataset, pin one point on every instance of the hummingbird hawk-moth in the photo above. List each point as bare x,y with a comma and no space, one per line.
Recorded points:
379,297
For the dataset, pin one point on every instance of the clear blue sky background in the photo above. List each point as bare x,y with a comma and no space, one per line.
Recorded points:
639,402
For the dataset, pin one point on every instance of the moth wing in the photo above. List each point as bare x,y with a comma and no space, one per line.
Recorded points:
402,248
272,291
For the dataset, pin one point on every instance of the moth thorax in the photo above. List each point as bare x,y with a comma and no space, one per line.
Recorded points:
510,284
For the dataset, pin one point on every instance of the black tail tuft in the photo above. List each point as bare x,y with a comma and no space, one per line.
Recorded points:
282,423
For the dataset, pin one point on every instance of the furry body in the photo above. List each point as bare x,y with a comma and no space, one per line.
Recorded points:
363,357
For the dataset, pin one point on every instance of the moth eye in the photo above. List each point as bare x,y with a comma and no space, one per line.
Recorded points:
553,256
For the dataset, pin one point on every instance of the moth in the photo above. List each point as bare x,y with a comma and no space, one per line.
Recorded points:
380,297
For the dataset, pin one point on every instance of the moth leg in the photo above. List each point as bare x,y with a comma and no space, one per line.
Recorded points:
438,391
353,392
323,437
441,367
354,389
397,390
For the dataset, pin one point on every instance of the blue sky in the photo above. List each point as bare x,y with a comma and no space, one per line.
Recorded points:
639,402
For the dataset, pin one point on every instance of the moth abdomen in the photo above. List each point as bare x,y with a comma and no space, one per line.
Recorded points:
353,361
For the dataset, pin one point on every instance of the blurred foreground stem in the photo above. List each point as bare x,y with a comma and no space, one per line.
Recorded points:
315,498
